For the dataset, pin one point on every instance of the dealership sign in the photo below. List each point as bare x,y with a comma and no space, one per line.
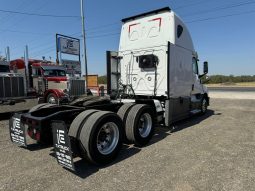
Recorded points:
69,46
72,67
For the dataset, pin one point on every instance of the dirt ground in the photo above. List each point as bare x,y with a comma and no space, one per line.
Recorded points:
211,152
25,105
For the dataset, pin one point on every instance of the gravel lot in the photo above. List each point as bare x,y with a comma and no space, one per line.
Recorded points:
26,105
211,152
233,95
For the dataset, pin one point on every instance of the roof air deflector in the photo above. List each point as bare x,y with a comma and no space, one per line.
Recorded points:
166,9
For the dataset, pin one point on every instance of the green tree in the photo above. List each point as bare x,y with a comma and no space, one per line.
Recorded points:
102,79
217,79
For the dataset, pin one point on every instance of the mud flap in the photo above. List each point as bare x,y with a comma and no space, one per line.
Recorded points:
17,130
62,145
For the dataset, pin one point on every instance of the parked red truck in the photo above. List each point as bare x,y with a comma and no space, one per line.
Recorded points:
48,81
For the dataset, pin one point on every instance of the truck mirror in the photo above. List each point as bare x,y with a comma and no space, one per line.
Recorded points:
205,67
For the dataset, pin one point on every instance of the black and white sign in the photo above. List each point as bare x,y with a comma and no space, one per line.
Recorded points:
62,145
72,67
69,46
17,130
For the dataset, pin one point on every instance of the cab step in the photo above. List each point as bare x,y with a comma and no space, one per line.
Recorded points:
195,111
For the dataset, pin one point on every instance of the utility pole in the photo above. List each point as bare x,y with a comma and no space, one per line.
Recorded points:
27,67
84,43
8,58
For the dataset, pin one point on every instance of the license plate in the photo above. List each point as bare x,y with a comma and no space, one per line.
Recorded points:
17,130
62,145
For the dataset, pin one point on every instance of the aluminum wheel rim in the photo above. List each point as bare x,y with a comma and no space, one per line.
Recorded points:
145,125
204,105
107,138
52,100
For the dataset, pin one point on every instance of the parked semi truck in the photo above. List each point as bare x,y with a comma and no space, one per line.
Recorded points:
49,81
152,79
12,86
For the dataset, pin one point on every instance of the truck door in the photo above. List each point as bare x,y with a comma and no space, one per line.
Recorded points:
113,72
196,88
180,84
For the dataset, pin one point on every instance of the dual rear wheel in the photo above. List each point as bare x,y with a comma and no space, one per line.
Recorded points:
139,123
100,134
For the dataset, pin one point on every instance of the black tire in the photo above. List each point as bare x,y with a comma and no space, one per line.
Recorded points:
39,106
133,121
90,133
78,122
51,95
122,113
204,105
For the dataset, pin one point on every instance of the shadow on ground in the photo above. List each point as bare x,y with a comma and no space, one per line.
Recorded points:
162,132
85,169
37,146
178,126
8,115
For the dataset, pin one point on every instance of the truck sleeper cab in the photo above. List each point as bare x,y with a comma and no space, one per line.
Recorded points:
157,59
153,78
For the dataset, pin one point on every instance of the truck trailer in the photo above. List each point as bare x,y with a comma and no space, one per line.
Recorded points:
153,79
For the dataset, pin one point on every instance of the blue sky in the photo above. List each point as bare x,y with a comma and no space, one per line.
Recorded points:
227,43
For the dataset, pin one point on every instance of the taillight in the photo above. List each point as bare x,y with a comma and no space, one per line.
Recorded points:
37,136
33,133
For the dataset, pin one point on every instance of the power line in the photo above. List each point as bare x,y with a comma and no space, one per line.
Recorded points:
193,21
102,26
40,45
221,8
7,17
223,16
190,5
89,37
39,15
18,20
112,34
89,29
25,32
103,35
49,49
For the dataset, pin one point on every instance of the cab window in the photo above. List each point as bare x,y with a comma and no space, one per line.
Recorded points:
36,71
195,66
4,68
179,31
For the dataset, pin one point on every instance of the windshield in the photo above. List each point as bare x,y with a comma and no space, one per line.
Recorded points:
4,68
54,73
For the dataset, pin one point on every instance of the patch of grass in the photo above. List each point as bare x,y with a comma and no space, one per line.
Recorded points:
240,84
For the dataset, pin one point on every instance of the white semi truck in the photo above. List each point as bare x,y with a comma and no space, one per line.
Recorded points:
152,79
